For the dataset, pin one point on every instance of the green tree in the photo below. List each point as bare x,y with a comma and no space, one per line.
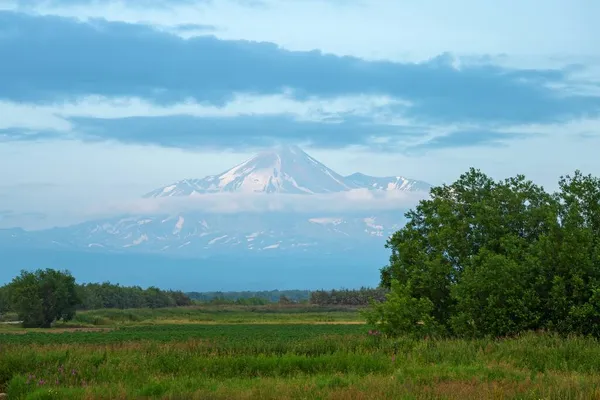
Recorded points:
571,258
498,258
445,235
44,296
495,296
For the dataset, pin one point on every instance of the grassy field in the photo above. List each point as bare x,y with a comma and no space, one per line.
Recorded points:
273,352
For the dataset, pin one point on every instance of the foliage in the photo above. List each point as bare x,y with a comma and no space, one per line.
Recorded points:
249,301
346,297
268,296
94,296
360,297
4,300
44,296
106,295
499,258
402,313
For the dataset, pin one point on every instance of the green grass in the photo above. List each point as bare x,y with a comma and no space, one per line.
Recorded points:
220,314
143,358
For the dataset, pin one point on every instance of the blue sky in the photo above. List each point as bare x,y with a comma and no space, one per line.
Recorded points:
107,100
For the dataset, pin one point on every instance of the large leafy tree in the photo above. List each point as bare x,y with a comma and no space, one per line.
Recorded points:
43,296
501,257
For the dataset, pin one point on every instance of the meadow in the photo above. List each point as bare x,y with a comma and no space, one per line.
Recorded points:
281,352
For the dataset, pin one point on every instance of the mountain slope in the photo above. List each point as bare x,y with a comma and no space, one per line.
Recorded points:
286,169
201,234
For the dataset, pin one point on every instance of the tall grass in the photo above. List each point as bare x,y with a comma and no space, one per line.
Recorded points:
310,361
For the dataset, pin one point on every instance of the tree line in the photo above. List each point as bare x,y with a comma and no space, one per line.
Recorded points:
495,258
360,297
106,295
247,296
42,297
350,297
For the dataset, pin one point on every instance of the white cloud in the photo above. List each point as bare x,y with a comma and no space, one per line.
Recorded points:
543,155
56,116
353,200
71,208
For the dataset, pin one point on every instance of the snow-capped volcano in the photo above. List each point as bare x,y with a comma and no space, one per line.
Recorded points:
285,169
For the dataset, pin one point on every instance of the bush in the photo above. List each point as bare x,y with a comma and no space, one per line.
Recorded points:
402,314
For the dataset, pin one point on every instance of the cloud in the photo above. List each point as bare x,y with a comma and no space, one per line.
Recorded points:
187,28
350,201
458,139
69,212
237,133
67,59
246,121
56,116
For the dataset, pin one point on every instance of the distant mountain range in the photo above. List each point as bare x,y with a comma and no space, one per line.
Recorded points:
202,235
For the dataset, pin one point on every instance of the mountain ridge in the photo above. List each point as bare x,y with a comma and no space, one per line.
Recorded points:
285,169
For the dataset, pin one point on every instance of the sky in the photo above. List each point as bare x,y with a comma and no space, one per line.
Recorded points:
102,101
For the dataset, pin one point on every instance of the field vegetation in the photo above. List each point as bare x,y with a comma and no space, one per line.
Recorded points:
252,353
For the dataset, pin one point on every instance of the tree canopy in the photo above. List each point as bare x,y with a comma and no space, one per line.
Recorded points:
107,295
44,296
483,257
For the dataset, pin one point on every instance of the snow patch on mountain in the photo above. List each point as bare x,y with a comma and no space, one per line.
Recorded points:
143,238
178,225
215,240
272,246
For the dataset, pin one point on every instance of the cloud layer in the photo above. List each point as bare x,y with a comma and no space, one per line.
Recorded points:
66,59
349,201
136,83
63,213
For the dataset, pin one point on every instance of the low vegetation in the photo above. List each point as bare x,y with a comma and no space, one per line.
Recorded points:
149,358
